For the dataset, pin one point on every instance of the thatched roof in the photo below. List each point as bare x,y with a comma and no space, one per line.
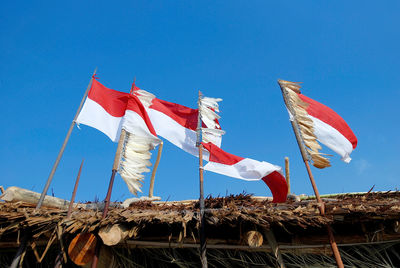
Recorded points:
147,219
361,221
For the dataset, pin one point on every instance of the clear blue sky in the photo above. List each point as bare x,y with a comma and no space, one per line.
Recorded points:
345,52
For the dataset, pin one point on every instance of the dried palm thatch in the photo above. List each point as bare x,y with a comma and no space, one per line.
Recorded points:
381,255
165,234
143,218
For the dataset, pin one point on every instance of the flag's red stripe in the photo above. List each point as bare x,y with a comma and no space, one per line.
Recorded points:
114,102
218,155
134,104
183,115
330,117
278,186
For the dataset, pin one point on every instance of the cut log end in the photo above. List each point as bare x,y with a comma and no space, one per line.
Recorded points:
113,234
253,239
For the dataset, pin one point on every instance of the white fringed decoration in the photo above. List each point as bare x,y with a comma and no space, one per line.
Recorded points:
145,97
135,161
136,154
208,110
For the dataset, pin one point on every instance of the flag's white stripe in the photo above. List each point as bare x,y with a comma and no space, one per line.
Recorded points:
175,133
134,124
332,138
246,169
94,115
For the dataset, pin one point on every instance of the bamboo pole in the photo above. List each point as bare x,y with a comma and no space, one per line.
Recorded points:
305,157
17,261
153,173
71,204
117,159
203,245
274,247
287,173
60,153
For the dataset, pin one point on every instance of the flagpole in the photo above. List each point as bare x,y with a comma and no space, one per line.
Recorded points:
117,159
203,245
153,173
60,153
305,157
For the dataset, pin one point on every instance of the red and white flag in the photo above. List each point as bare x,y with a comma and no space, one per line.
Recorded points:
247,169
104,109
178,123
109,111
319,122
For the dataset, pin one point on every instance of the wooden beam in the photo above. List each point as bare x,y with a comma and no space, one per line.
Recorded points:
16,194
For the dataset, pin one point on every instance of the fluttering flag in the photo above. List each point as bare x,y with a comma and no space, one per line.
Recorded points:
319,122
247,169
104,110
111,111
178,123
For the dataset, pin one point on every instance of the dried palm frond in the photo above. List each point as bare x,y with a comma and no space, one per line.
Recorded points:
298,109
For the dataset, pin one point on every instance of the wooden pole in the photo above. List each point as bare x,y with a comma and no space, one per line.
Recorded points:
275,248
71,204
60,153
203,245
153,173
22,248
305,157
117,159
287,173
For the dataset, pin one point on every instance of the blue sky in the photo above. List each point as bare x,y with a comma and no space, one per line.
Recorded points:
345,52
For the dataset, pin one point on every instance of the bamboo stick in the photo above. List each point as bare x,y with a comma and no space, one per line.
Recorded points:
117,159
60,153
153,173
22,248
287,173
71,203
203,246
305,157
275,247
59,257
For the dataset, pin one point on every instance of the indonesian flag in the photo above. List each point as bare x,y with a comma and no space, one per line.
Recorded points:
109,111
178,123
319,122
247,169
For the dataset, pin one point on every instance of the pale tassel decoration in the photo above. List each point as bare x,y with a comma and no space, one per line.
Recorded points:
145,97
306,125
135,161
208,110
